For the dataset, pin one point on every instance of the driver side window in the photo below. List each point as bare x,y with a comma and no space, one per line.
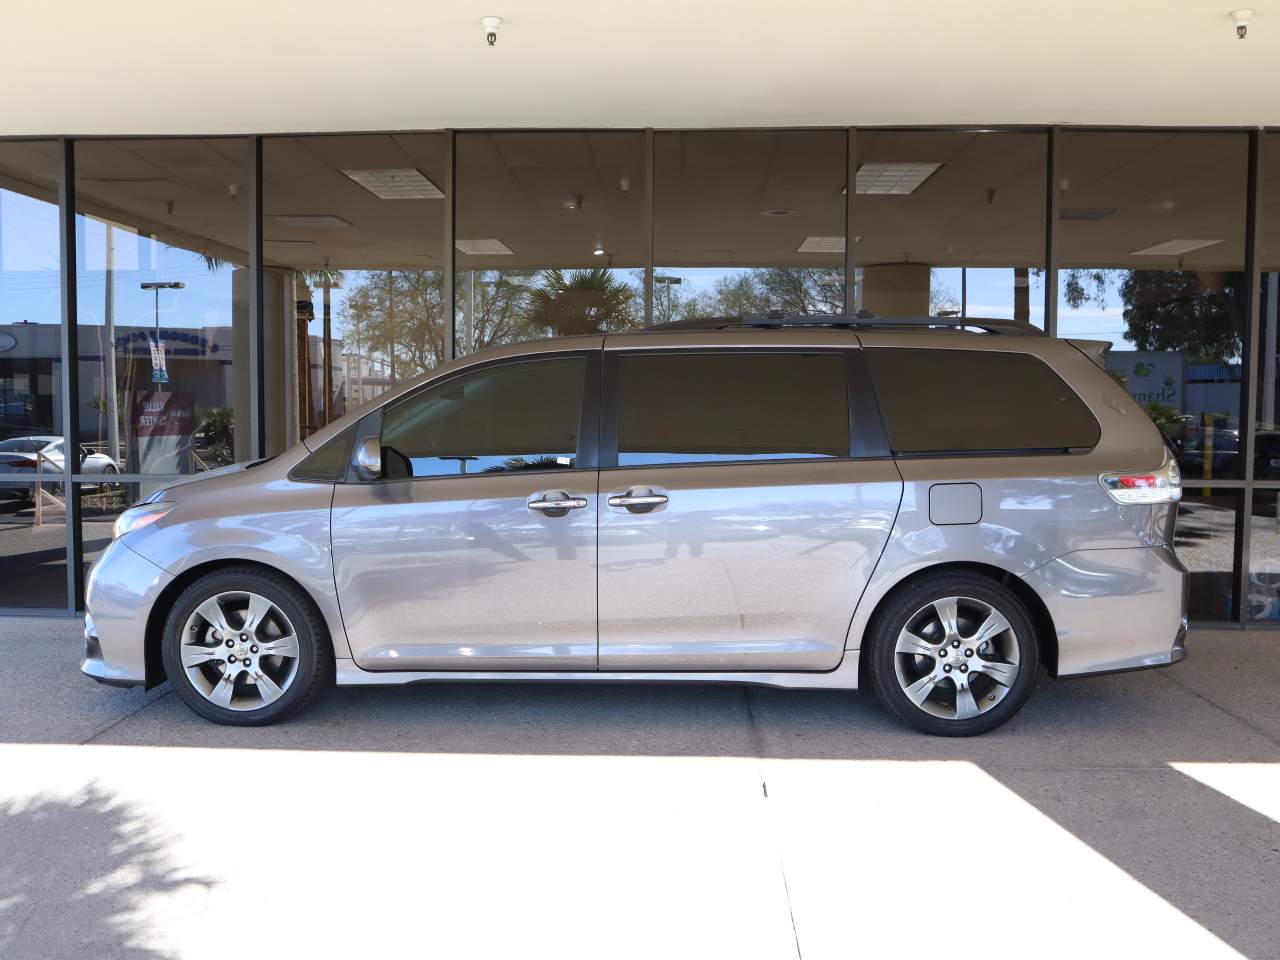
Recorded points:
522,415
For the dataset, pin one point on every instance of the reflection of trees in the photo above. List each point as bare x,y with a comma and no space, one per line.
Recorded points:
1198,313
580,301
792,291
397,313
1178,310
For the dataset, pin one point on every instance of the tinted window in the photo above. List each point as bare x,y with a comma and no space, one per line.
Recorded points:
515,416
975,400
329,463
706,407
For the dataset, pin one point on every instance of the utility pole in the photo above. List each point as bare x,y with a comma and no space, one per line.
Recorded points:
109,317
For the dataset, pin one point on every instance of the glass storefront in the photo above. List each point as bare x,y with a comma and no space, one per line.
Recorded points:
379,256
550,235
33,533
1151,241
951,224
354,239
748,222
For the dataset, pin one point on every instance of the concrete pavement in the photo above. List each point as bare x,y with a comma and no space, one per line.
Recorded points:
1129,815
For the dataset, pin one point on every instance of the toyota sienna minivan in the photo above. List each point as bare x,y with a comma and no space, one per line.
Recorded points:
936,509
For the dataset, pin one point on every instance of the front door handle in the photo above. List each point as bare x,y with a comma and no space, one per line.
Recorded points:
637,501
556,503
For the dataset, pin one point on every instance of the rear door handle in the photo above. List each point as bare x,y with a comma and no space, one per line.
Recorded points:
638,502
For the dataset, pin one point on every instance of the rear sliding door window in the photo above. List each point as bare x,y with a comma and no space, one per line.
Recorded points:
716,407
976,401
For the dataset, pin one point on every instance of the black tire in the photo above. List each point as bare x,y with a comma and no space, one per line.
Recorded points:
910,607
315,652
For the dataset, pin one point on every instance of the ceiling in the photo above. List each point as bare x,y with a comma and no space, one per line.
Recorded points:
721,199
219,66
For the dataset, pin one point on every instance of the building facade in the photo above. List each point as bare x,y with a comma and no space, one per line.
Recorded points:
179,303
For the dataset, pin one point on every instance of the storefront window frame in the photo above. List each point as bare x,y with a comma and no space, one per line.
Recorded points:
1247,485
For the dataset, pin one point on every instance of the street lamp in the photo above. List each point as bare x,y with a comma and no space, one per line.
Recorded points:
158,372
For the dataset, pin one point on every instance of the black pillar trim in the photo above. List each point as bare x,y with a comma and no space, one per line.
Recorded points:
850,236
70,373
257,309
450,259
1249,380
648,227
1052,212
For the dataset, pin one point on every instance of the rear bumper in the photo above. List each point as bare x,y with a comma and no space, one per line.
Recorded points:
119,594
1115,610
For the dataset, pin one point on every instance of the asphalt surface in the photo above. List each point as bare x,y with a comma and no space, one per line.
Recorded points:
1132,815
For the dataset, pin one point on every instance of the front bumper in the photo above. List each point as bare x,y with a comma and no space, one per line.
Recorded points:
120,592
1115,610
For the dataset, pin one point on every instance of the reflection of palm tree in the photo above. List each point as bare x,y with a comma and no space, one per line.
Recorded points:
580,301
515,464
327,279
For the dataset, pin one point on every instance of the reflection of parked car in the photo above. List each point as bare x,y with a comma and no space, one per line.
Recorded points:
933,513
1266,455
27,455
1221,447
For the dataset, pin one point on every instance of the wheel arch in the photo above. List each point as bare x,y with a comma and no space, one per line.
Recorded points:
1046,632
154,664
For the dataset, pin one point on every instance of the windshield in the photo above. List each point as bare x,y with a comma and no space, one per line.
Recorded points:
23,445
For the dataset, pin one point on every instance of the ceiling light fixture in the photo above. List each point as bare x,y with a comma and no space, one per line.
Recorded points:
491,25
821,245
396,183
304,221
491,248
893,179
1241,20
1085,213
598,251
1173,248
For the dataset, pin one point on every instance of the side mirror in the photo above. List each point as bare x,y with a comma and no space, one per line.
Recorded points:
368,458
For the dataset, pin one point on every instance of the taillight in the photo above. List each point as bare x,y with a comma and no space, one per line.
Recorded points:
16,464
1154,486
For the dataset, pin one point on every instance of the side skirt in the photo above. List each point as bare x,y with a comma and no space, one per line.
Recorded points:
843,677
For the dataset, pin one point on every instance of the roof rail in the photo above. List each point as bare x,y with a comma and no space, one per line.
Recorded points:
862,320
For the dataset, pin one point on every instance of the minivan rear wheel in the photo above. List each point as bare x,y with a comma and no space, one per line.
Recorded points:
953,654
244,647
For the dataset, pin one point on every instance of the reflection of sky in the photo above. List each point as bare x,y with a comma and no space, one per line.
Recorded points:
29,281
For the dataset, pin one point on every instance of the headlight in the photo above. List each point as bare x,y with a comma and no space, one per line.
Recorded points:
143,515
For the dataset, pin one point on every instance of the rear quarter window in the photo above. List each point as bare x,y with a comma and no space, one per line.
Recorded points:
977,401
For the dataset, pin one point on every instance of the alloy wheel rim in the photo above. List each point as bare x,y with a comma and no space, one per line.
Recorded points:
239,650
956,658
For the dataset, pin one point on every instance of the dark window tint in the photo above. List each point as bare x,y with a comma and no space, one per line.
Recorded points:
329,463
515,416
976,400
706,407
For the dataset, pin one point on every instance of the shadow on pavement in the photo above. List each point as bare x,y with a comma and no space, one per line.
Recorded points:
78,893
1092,755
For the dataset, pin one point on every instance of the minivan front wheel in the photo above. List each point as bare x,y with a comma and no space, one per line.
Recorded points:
953,654
244,647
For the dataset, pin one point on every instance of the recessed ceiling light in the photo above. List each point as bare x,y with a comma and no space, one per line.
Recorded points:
490,248
1173,248
396,183
1085,213
777,212
303,221
893,179
822,245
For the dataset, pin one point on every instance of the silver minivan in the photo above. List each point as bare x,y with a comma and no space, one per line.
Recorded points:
935,509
